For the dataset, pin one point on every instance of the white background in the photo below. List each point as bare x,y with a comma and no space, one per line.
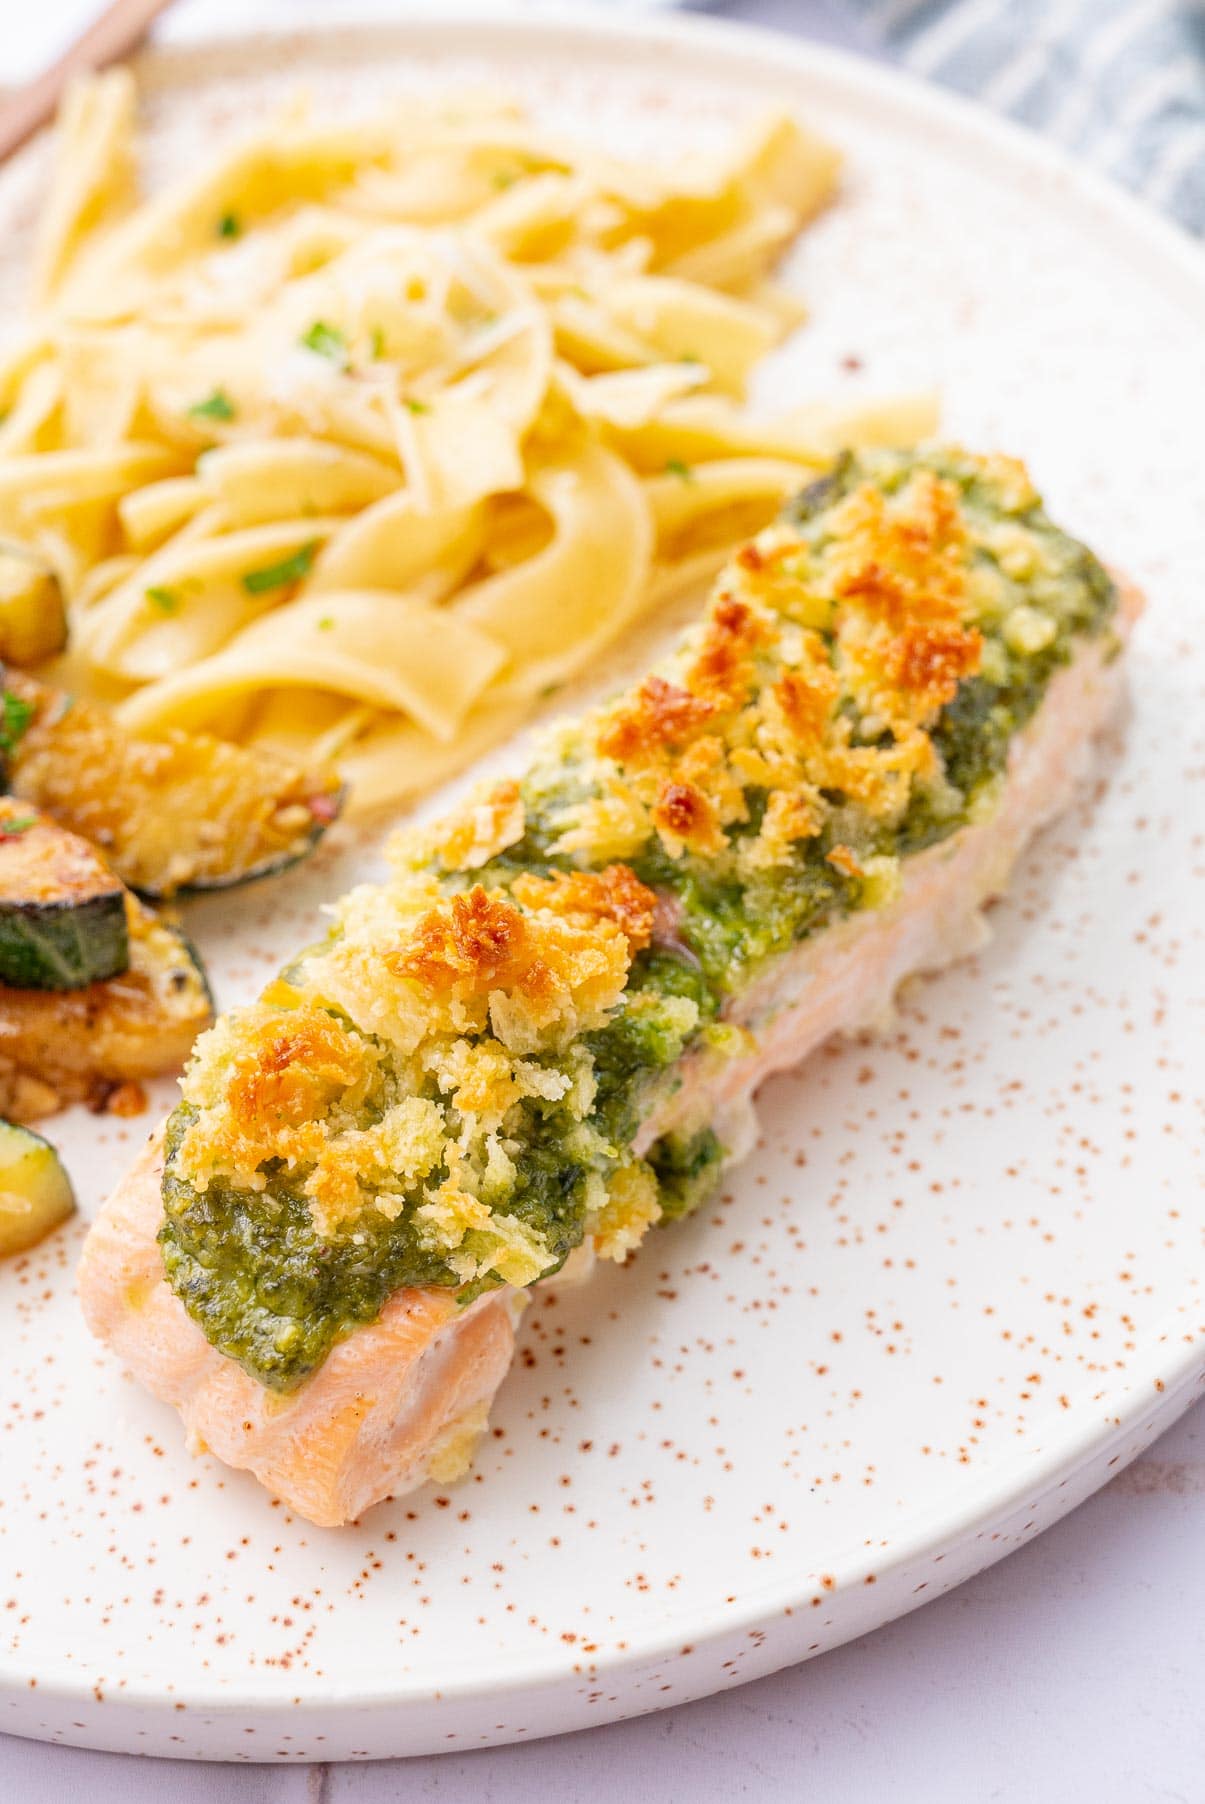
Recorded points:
1071,1671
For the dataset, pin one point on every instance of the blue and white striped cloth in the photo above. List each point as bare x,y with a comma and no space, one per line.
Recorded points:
1118,82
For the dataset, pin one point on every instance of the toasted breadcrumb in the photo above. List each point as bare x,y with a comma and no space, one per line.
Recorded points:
487,825
469,995
452,1454
614,895
400,1065
630,1210
471,992
759,696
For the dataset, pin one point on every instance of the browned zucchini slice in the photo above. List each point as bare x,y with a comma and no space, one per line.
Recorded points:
33,619
63,1046
183,813
62,911
35,1191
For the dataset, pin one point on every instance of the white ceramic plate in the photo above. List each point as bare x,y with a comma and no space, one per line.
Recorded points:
958,1284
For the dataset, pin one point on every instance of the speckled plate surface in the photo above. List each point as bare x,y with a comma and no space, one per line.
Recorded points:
958,1283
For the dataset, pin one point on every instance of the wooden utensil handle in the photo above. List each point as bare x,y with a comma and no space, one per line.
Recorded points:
111,36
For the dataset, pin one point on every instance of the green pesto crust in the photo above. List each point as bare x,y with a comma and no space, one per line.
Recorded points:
449,1089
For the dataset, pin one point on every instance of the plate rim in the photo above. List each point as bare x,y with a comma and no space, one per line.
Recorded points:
1158,1385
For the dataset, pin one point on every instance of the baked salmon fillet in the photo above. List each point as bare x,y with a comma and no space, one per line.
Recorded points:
540,1037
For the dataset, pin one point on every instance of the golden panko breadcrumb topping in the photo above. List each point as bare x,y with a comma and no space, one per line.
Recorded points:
535,975
485,826
471,993
876,615
453,1016
631,1208
614,897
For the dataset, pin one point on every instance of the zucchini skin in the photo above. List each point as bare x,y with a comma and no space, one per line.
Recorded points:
67,1046
191,965
62,911
62,947
35,1191
273,866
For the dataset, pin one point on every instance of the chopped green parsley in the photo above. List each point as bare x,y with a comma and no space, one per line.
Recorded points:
326,341
217,406
277,576
15,716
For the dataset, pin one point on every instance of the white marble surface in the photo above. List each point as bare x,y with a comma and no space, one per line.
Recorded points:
1074,1668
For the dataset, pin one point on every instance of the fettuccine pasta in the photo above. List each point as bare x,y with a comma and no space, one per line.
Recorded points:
362,438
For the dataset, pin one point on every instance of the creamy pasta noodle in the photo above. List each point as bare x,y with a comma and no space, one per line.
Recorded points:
361,438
